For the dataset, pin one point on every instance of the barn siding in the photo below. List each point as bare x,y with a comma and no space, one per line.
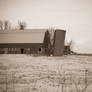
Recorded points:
16,48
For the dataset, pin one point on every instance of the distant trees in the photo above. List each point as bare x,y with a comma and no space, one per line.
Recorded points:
22,25
70,44
69,47
5,25
1,25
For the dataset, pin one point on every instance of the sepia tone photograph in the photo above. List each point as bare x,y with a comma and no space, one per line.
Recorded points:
45,45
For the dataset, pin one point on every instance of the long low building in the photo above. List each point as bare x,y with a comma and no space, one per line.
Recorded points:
31,41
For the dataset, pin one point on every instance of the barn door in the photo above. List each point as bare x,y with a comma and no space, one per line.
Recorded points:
22,50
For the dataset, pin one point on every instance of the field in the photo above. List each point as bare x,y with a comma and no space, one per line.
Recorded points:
25,73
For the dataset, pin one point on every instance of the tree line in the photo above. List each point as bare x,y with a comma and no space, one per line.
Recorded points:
6,25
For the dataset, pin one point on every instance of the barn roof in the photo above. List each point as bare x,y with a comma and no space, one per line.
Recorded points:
22,36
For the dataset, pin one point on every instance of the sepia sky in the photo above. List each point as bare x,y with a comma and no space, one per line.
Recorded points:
75,16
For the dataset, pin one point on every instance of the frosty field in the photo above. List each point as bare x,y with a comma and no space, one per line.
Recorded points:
25,73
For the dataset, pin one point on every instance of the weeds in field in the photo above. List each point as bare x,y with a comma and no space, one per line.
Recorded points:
60,82
42,78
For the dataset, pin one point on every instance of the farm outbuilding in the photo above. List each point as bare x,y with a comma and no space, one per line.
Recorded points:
59,38
22,41
31,41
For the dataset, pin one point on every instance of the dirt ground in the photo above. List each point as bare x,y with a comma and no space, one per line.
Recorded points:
25,73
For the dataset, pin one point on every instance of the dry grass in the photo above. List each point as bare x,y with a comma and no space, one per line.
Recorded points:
24,73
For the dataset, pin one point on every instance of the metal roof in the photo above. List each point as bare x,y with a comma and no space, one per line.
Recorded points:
22,36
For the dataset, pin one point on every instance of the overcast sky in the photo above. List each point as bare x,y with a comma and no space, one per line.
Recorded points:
75,16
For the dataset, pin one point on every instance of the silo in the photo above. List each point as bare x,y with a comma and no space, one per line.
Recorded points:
59,38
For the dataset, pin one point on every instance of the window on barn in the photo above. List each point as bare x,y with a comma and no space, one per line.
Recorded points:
39,49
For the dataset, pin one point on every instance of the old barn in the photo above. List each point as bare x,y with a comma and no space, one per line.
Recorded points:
31,41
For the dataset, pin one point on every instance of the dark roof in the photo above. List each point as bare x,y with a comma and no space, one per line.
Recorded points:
22,36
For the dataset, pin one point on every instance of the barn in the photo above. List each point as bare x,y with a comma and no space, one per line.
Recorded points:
22,41
31,41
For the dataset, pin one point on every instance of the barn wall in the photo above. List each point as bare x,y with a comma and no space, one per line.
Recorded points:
21,48
59,39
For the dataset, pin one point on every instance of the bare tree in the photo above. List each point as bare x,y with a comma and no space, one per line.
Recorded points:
1,25
70,45
22,25
51,31
47,43
52,34
6,25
